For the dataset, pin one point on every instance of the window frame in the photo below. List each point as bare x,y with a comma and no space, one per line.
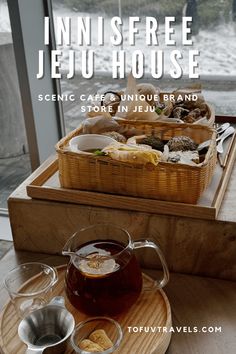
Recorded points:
42,119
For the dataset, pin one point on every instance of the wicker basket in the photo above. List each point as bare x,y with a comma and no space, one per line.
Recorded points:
210,114
166,181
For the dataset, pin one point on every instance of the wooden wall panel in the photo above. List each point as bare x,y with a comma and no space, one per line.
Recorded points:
191,246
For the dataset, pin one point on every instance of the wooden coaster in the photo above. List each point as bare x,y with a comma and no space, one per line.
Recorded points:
145,326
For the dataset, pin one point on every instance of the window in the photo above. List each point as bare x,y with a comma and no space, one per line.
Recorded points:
14,155
213,35
43,123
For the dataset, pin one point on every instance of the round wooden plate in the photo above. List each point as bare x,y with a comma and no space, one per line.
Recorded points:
145,326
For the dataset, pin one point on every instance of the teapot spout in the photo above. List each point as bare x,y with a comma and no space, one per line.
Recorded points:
67,249
66,253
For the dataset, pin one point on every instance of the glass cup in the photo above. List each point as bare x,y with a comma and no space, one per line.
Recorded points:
30,286
84,331
103,277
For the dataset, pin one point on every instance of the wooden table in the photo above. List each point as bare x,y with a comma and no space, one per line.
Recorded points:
195,302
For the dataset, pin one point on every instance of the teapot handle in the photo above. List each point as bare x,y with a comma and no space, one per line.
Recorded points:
34,351
143,243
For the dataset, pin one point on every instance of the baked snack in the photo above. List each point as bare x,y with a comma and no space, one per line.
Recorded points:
185,157
98,341
90,346
181,143
100,337
137,154
115,135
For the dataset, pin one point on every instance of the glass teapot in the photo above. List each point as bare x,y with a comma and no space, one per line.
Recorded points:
103,276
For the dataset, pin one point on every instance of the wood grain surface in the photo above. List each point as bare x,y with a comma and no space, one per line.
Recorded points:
195,301
46,186
190,246
151,309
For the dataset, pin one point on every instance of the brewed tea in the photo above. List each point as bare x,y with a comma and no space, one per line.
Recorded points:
105,278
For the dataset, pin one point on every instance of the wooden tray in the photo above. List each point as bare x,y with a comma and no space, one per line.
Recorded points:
151,309
46,186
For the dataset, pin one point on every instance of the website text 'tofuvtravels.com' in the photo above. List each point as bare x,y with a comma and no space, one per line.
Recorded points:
174,329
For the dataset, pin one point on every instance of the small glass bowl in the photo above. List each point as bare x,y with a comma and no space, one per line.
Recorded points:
85,328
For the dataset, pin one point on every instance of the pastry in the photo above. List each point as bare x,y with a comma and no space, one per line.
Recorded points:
150,92
115,135
100,337
138,154
90,346
181,143
185,157
155,142
150,140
